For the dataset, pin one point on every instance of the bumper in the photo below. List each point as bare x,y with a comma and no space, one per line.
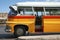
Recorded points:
8,29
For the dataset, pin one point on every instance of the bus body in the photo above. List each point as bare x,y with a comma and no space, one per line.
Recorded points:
34,17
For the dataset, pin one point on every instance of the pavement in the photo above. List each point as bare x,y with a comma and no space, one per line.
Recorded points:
40,37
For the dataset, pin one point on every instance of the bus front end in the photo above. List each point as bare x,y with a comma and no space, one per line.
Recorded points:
20,21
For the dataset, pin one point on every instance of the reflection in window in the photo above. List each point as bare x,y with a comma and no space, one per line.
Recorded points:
53,11
12,13
38,11
28,11
25,11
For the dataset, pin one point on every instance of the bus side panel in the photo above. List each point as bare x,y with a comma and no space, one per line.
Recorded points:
51,24
29,21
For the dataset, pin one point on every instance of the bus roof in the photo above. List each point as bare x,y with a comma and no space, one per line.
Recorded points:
39,4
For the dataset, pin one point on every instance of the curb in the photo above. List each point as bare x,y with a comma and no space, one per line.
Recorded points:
41,37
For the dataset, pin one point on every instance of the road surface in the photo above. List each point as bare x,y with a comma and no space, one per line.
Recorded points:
8,36
4,35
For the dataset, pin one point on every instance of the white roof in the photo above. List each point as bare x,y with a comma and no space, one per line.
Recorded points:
39,4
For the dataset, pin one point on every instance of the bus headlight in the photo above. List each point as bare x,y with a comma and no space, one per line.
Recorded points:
8,29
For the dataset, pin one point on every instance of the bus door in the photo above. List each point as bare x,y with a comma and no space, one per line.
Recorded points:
38,21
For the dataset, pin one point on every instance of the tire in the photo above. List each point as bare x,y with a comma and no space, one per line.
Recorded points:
20,31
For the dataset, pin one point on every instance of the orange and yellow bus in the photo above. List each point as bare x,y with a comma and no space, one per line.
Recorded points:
33,17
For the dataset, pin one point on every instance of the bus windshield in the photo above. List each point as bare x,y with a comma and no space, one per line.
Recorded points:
12,13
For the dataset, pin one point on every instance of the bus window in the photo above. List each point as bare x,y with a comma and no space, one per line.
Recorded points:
26,11
52,11
38,11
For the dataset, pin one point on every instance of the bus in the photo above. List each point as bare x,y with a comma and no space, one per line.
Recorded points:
33,17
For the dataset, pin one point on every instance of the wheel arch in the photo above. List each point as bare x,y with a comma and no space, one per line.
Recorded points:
21,25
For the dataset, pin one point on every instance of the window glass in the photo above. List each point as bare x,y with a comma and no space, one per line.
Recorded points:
25,11
28,11
53,11
38,11
12,13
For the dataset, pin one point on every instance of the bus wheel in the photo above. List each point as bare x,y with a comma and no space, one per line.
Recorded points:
20,31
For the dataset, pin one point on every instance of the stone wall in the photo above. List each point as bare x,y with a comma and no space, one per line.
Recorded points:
3,17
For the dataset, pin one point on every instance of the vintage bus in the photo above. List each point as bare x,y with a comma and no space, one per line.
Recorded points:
33,17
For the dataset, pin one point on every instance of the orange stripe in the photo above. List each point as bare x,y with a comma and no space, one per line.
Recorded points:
21,17
51,17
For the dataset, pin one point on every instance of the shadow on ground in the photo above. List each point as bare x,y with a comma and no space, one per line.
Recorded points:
6,36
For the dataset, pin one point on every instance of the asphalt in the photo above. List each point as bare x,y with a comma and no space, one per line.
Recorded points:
4,35
8,36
